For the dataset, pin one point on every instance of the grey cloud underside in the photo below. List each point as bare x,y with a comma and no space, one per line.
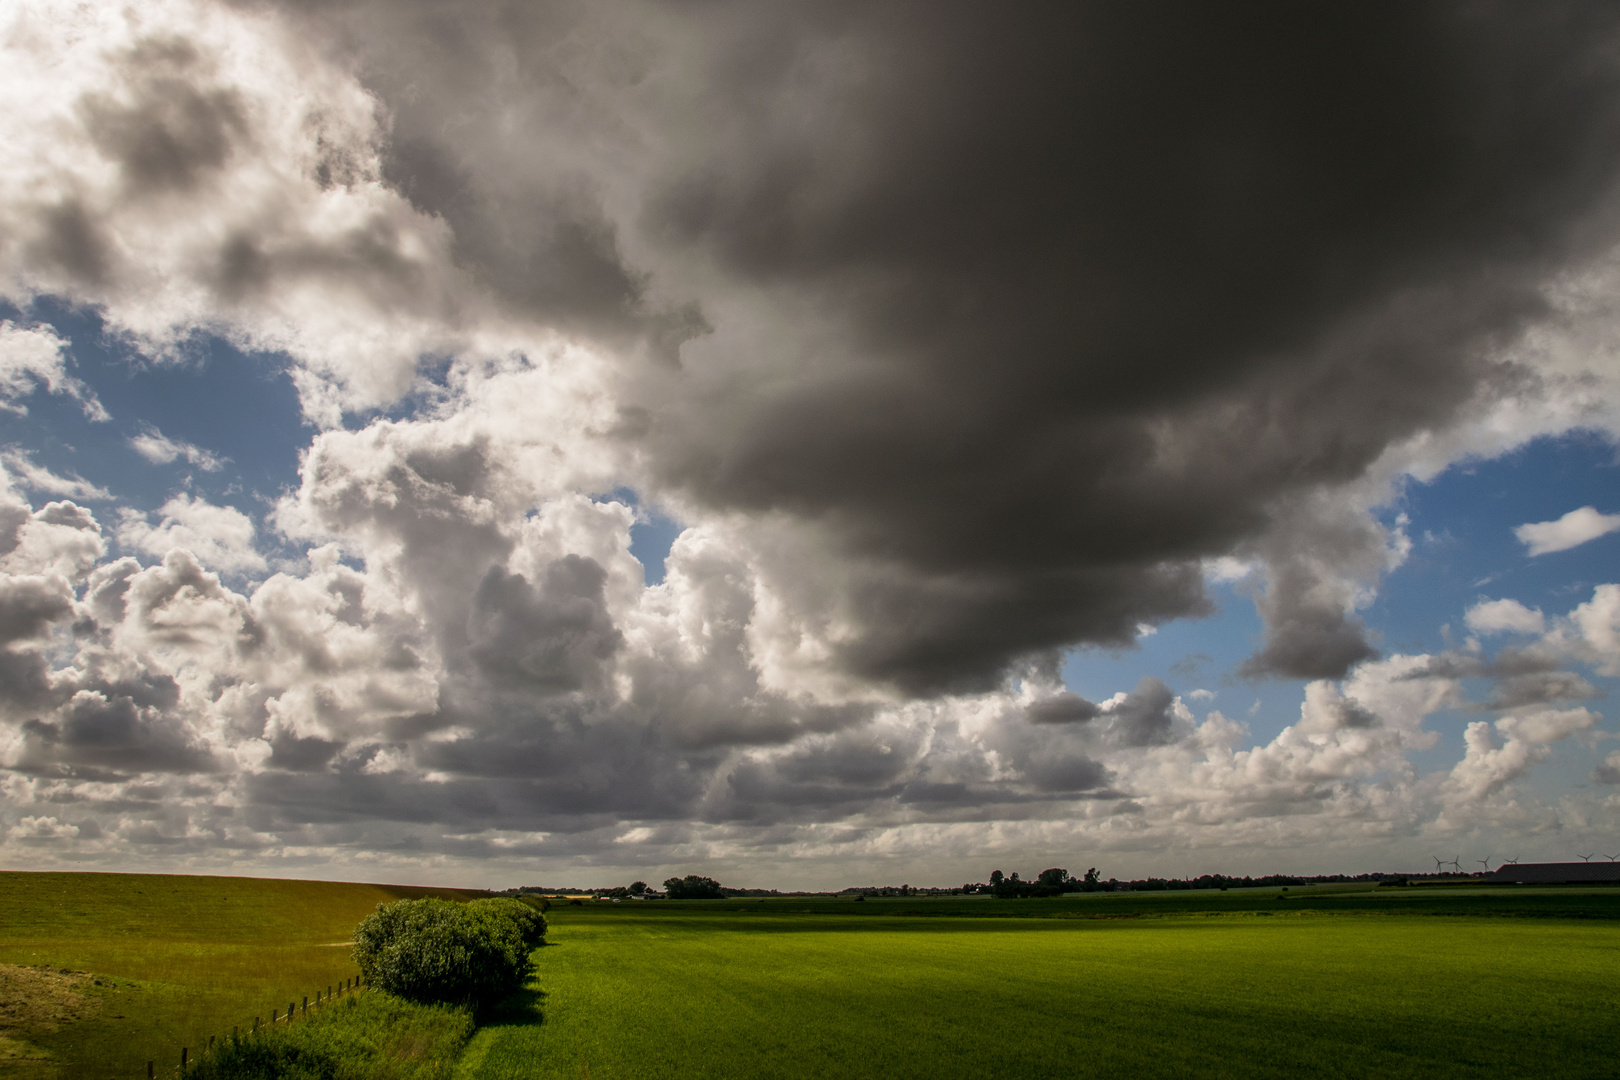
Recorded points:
1077,297
1518,677
1144,717
172,133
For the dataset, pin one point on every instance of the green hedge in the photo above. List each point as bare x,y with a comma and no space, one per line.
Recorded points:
438,951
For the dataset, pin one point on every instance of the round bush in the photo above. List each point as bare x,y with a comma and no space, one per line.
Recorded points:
438,951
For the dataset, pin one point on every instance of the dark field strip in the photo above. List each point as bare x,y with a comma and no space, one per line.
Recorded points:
724,993
180,957
1546,902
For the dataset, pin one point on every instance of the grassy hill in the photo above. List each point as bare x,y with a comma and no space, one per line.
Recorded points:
139,965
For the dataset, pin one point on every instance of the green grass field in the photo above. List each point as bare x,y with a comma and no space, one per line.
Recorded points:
182,958
1420,982
1218,985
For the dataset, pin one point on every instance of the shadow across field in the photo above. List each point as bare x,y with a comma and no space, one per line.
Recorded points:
1541,902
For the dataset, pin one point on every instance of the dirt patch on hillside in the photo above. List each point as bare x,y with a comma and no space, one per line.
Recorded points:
37,1001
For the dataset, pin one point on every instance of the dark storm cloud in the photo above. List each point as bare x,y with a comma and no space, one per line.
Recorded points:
1093,291
30,604
1146,716
73,243
1121,281
551,784
171,134
1073,772
1313,641
1064,708
1352,715
553,638
302,754
110,735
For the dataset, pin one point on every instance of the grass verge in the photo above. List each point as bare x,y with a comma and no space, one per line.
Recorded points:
374,1036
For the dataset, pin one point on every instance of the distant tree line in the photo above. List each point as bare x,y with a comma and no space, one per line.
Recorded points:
1053,881
1222,881
617,892
690,887
1056,881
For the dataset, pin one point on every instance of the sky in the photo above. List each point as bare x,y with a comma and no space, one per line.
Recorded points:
807,444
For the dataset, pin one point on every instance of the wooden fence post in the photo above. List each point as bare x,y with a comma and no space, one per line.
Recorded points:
182,1059
150,1069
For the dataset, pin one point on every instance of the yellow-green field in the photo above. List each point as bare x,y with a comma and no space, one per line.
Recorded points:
179,958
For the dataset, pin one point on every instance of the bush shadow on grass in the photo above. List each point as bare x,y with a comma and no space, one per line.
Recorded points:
522,1009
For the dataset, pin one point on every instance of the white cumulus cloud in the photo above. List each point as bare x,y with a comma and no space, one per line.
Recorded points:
159,449
36,357
24,468
221,536
1572,530
1504,616
42,828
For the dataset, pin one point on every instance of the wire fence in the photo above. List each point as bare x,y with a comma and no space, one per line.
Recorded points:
295,1011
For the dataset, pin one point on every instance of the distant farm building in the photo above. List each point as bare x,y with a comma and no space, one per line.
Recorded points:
1559,873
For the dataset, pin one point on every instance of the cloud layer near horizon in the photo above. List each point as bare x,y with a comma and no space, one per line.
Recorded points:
949,350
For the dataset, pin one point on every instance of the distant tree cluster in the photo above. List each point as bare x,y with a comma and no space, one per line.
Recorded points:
439,951
693,887
624,892
904,890
1053,881
690,887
